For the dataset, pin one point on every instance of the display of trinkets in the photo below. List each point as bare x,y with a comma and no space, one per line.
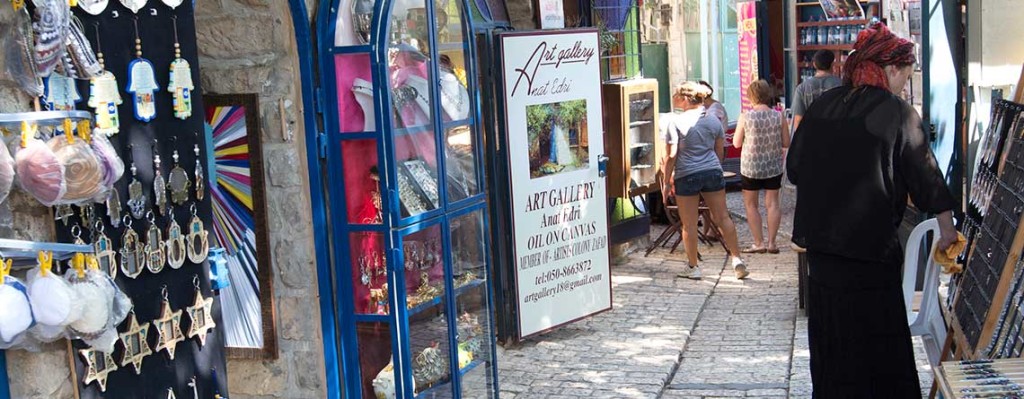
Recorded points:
104,248
176,248
159,185
133,252
180,82
135,340
141,78
104,96
156,255
168,328
201,315
178,182
430,366
99,365
198,243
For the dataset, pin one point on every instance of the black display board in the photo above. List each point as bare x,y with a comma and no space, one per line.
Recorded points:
996,207
163,134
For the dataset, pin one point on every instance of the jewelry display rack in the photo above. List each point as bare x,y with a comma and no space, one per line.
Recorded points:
985,310
403,152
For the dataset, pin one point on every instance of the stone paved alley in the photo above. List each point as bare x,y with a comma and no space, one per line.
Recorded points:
674,338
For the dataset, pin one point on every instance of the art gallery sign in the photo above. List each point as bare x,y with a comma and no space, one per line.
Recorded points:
552,93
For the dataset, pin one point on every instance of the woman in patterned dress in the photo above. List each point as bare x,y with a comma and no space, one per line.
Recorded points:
763,135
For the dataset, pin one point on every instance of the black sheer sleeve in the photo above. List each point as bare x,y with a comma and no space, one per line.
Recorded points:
920,172
793,156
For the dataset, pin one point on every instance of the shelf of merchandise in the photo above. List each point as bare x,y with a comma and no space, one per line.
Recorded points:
453,229
843,22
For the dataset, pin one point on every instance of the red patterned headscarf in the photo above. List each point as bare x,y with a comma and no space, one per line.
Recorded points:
875,49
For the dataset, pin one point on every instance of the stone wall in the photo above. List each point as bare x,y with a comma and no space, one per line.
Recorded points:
248,46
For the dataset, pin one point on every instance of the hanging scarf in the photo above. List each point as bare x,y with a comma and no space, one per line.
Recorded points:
876,48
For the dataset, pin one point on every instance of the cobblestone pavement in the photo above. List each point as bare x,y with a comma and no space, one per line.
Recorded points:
675,338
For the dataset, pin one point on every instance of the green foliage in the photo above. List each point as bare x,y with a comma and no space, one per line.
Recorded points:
571,113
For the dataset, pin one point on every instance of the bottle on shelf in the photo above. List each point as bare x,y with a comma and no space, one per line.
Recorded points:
823,35
812,33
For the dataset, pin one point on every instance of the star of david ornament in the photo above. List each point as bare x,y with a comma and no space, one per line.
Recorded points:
201,315
168,328
98,365
136,344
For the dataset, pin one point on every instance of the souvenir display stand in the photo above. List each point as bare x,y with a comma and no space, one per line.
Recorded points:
635,147
986,310
409,227
128,63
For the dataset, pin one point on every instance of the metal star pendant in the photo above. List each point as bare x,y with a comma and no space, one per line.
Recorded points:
168,330
202,317
136,344
98,366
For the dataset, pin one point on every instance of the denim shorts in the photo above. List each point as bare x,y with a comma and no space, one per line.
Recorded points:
708,181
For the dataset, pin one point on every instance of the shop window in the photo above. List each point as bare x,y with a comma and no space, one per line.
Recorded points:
619,23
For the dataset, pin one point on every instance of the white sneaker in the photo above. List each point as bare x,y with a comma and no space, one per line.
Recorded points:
690,272
740,268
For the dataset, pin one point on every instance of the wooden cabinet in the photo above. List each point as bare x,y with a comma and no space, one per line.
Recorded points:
632,139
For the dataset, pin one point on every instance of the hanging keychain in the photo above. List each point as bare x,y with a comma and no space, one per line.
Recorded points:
104,249
156,256
178,182
61,93
136,343
104,96
159,184
168,327
176,251
133,254
200,181
201,314
180,82
134,5
198,244
114,207
142,81
93,7
136,197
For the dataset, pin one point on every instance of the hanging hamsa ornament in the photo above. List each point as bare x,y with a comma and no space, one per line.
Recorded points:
178,182
134,5
159,184
104,249
133,253
198,242
60,93
200,186
156,257
180,83
176,251
173,3
93,7
104,97
136,198
142,81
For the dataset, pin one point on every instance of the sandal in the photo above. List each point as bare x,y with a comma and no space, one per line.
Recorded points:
773,250
754,250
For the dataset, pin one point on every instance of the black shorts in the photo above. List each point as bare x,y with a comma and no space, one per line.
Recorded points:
771,183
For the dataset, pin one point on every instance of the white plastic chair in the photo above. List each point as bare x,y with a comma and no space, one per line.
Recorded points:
927,322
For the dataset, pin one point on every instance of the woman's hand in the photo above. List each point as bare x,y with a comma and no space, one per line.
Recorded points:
947,232
668,191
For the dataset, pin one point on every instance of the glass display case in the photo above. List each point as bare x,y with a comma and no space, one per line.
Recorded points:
632,140
405,176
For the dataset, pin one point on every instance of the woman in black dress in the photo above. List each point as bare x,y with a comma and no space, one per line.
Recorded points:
858,154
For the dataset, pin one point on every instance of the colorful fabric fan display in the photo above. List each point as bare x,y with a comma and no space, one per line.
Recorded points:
6,172
40,173
15,310
51,29
234,225
112,165
83,174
